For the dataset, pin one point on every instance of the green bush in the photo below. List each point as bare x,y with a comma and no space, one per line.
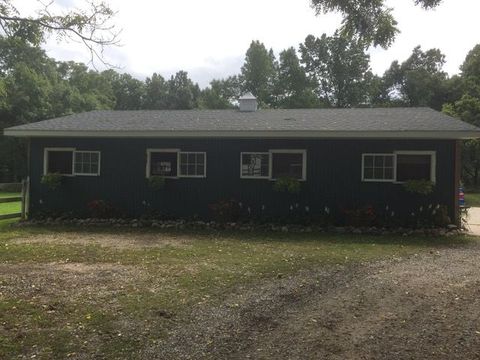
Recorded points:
421,187
287,184
156,182
52,181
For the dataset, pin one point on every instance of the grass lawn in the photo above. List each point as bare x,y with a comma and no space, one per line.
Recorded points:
472,199
106,294
9,208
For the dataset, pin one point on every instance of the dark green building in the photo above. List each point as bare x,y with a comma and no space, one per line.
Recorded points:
343,159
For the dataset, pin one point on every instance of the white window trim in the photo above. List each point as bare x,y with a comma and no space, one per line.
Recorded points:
150,151
433,162
192,176
380,180
51,149
288,151
254,153
89,152
178,152
74,151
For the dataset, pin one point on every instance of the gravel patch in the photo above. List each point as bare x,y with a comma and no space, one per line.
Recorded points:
423,307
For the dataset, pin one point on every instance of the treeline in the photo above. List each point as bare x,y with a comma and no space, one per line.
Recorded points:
329,71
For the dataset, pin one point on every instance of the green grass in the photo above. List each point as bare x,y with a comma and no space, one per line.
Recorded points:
472,199
90,309
4,194
9,208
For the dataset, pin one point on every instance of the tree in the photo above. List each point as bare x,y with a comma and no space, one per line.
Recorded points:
221,94
467,108
419,80
91,26
368,21
129,92
338,67
155,93
258,73
183,94
293,86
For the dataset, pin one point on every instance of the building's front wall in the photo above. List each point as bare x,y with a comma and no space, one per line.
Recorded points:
333,177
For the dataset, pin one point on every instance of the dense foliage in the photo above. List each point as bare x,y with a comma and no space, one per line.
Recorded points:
329,71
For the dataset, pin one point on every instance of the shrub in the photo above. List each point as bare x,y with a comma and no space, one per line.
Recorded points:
287,184
52,181
421,187
156,182
101,209
360,217
225,210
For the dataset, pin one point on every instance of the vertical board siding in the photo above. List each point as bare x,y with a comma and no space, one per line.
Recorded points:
333,177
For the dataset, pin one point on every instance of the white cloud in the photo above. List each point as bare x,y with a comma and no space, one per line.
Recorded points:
209,38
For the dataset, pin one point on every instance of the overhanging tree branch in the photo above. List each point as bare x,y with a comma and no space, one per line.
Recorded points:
92,27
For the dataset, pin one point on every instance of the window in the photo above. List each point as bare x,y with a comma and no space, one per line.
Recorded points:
192,164
68,161
254,165
58,161
378,167
415,166
400,166
174,163
288,163
163,163
87,162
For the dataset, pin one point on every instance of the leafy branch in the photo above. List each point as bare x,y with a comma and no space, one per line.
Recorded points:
91,26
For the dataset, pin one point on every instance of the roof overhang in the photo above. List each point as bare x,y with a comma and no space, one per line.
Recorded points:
458,135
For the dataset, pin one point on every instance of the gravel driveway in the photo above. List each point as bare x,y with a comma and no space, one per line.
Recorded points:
423,307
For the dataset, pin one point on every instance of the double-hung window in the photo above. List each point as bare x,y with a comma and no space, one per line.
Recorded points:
71,162
273,164
399,166
378,167
173,163
255,165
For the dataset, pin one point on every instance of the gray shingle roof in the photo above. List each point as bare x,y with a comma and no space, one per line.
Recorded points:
322,122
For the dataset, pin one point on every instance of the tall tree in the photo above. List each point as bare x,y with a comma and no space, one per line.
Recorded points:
293,86
339,68
221,94
129,92
258,73
183,94
419,80
155,93
369,21
467,108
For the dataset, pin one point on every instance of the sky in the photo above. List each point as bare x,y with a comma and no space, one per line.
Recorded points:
209,38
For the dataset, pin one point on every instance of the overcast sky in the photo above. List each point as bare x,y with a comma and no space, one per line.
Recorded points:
209,38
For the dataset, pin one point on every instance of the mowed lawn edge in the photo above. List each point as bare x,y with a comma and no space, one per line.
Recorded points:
150,287
10,207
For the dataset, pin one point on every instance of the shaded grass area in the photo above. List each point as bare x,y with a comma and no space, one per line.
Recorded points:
118,300
472,199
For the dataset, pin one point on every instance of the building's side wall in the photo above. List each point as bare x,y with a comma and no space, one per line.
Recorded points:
333,177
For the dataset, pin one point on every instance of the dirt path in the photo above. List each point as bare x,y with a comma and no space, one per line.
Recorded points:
422,307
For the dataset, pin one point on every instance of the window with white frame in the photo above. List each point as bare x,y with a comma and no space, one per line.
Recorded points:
288,163
70,162
87,163
192,164
162,163
254,165
174,163
415,165
58,161
378,167
399,166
